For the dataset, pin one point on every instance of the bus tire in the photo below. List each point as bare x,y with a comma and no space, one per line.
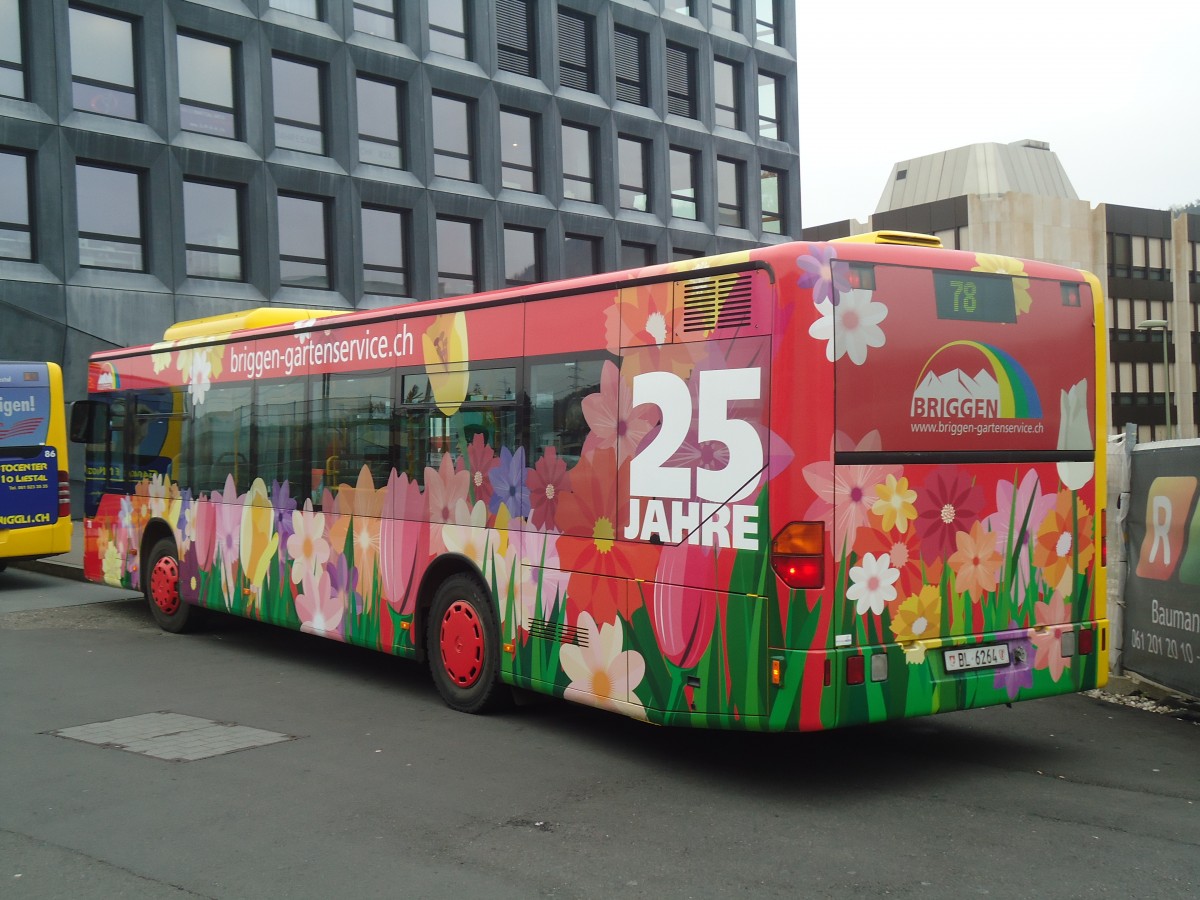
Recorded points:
161,587
464,646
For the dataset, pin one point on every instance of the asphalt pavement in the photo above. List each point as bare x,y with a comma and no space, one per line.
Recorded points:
247,761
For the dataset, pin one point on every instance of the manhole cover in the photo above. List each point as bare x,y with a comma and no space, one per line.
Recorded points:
168,735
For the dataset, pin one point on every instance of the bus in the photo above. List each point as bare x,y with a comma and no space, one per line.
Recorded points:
799,487
35,491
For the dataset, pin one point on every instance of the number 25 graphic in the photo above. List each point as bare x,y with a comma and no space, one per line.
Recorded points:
649,474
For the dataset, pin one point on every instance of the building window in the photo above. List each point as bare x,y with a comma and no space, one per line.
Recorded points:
522,256
377,17
379,123
581,255
771,189
303,242
518,152
725,14
681,80
633,164
516,44
766,21
685,165
310,9
683,7
1120,250
299,93
453,138
207,101
449,28
456,255
629,63
12,54
576,51
212,225
579,163
635,256
385,254
102,67
16,231
770,96
110,218
681,254
731,195
727,84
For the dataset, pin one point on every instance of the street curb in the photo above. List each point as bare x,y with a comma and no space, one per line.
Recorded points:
51,567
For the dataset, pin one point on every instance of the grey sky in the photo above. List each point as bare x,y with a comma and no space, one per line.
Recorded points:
1114,87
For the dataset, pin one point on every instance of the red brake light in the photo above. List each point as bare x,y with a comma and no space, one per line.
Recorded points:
1087,641
64,495
855,667
798,555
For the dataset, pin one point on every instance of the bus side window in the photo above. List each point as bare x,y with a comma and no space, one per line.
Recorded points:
154,438
556,394
281,429
220,439
351,428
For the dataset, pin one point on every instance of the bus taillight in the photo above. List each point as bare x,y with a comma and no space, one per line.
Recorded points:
798,555
64,495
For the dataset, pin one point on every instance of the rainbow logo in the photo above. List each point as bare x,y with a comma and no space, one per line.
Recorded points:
106,377
1002,378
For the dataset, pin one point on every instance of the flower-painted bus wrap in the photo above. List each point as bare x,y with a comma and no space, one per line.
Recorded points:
801,487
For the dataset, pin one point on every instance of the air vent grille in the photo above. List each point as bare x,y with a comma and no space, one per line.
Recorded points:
715,304
552,631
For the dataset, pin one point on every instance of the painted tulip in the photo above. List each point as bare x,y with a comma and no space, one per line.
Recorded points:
683,617
403,542
1075,433
258,538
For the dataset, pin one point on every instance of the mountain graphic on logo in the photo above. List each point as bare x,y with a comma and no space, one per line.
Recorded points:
958,385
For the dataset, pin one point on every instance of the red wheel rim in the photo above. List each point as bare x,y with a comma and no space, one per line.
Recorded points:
462,644
164,585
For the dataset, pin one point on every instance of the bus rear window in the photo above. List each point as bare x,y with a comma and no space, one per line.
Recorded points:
24,407
964,361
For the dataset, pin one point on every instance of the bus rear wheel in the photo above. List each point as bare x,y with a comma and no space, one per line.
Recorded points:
463,640
162,590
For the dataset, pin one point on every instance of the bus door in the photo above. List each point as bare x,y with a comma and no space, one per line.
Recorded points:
695,378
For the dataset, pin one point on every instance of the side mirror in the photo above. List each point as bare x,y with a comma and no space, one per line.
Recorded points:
89,422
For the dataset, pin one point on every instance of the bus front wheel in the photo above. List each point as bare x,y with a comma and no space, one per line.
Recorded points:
464,646
162,590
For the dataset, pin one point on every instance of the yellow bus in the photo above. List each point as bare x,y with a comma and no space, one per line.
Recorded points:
35,494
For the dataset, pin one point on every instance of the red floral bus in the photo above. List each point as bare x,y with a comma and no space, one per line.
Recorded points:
800,487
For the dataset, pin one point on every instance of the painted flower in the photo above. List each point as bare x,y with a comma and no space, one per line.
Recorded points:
1075,433
1006,265
203,528
850,328
818,272
1018,673
543,584
589,547
873,584
846,499
600,672
307,545
320,611
444,488
259,539
1049,642
403,542
228,508
361,506
284,505
508,484
446,357
468,534
919,616
480,460
904,551
684,606
1020,511
976,562
112,566
895,503
546,481
639,316
607,427
948,503
1065,539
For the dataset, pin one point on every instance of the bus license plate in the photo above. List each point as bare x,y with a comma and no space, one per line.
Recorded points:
976,657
